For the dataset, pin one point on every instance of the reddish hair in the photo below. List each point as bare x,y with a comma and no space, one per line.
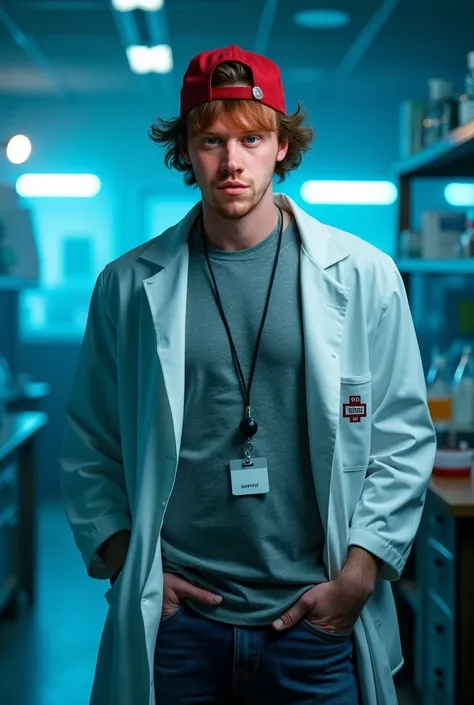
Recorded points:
239,114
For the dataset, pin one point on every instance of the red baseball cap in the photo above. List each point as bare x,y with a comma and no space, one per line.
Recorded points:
267,85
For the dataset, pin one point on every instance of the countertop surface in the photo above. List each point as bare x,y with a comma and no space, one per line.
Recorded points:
15,429
458,494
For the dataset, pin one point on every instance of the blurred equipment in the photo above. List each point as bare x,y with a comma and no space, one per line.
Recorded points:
412,114
453,463
442,114
466,105
78,259
18,252
441,234
467,238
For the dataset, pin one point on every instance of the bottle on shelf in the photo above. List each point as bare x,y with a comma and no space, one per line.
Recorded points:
439,391
5,385
466,105
463,391
442,114
467,237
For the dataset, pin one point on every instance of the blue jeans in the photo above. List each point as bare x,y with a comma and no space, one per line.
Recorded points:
199,661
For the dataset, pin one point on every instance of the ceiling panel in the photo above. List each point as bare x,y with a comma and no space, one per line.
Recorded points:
323,49
78,41
94,50
36,20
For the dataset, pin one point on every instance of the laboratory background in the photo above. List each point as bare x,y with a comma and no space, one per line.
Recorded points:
389,90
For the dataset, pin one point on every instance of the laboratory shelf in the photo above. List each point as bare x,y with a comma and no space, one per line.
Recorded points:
434,266
452,156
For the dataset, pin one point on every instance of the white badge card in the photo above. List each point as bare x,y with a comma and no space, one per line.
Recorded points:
249,479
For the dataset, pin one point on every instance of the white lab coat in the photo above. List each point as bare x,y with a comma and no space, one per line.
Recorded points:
124,425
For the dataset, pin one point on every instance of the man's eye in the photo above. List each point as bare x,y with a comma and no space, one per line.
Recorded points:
252,139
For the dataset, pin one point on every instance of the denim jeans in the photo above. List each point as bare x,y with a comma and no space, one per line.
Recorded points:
200,661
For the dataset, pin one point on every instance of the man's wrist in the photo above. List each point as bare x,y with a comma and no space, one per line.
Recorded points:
361,569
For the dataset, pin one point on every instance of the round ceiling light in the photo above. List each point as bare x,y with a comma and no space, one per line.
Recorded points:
321,19
18,149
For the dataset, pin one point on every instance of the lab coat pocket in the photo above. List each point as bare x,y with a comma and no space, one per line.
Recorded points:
355,422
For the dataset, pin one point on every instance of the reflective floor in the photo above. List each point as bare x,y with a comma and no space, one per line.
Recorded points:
47,656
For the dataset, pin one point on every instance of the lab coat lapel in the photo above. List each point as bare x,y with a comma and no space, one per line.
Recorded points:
324,306
167,295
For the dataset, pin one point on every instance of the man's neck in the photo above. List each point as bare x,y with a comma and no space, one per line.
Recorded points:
234,235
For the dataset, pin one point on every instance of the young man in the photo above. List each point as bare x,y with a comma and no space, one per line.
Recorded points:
248,443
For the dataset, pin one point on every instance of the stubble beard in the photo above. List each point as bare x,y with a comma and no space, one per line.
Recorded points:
247,205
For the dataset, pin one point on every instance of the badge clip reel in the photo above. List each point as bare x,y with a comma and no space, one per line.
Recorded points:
249,476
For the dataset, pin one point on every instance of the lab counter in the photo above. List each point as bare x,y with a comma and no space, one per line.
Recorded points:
438,590
18,434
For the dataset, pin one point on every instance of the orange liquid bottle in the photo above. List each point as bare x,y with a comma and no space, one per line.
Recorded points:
439,392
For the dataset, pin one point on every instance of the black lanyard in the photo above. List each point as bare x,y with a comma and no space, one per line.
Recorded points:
248,426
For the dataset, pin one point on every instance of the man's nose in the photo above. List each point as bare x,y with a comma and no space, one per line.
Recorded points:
230,159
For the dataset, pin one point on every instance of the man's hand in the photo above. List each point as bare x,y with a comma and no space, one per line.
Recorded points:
336,606
114,551
176,589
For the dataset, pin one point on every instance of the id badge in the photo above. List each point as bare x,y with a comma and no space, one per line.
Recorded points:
249,479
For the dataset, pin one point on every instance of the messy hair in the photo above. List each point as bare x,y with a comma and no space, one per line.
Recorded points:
238,114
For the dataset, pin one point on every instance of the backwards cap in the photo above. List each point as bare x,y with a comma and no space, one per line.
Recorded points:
267,86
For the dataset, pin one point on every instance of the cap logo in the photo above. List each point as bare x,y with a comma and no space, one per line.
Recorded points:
257,92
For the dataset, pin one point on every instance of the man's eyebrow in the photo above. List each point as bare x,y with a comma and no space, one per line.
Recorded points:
249,131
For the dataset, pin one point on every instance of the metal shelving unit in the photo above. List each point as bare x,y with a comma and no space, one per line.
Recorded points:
449,681
451,157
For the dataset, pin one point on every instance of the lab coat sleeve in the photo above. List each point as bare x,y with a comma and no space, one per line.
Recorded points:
92,475
403,441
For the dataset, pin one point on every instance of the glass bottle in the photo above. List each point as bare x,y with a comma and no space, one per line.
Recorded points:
439,391
467,238
463,390
442,114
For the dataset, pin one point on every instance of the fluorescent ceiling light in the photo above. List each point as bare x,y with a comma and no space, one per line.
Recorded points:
129,5
357,193
18,149
58,185
459,194
321,19
143,59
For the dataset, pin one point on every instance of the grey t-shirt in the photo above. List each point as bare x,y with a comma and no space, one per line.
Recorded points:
261,552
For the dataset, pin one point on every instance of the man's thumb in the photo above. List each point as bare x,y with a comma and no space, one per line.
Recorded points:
289,619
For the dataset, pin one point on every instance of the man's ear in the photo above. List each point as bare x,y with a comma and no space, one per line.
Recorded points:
283,149
185,155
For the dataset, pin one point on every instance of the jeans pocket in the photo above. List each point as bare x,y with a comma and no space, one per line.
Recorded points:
172,615
330,636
